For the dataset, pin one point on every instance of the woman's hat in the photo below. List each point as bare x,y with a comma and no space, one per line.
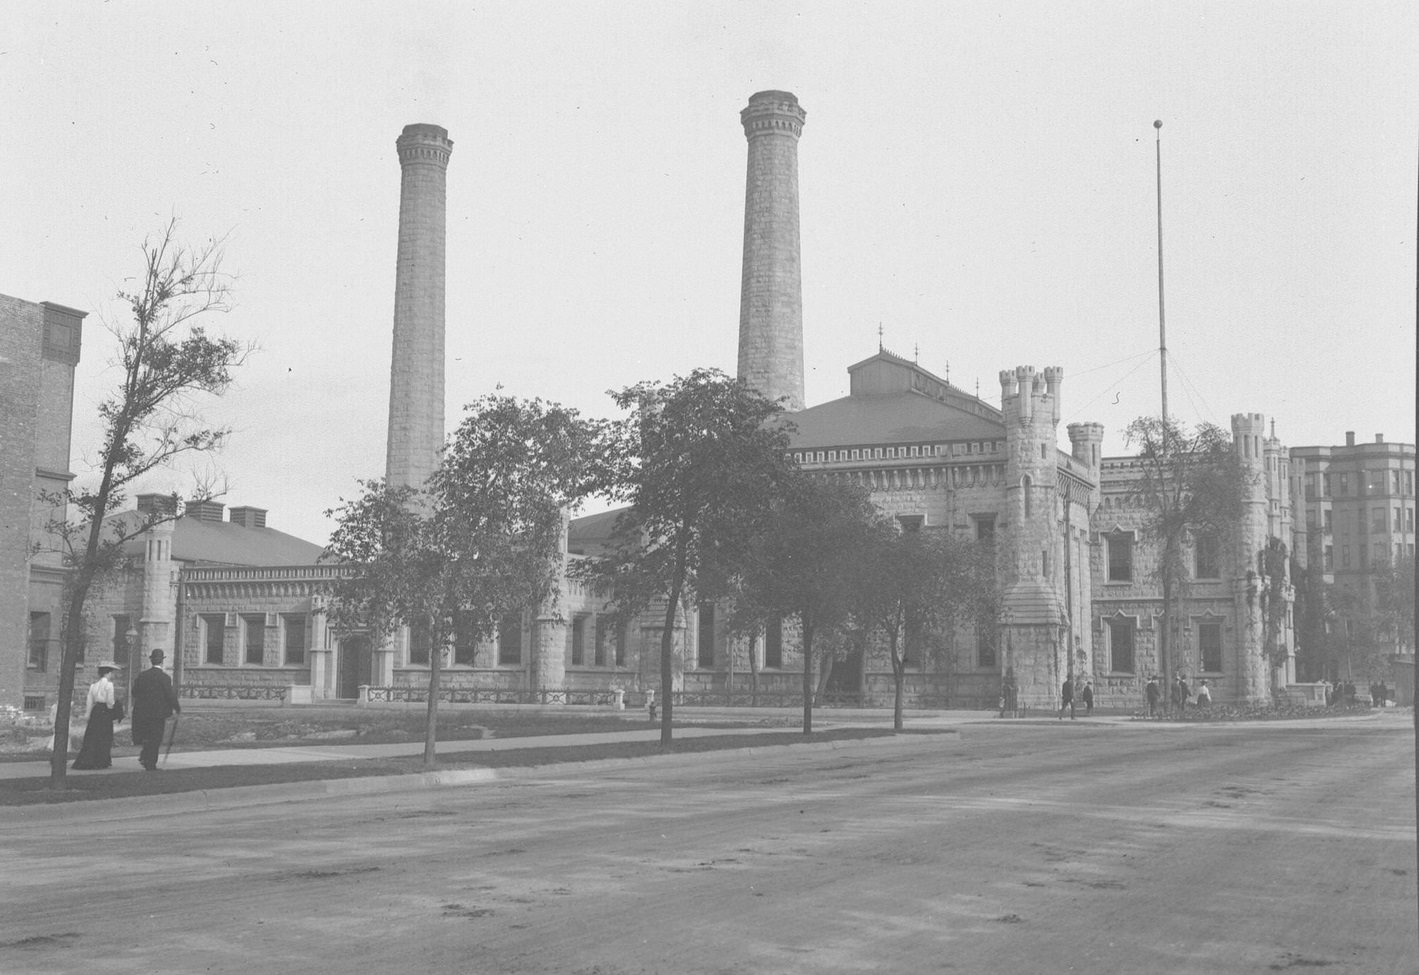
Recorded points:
109,665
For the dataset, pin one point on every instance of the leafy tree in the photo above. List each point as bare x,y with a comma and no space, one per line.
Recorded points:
1190,482
480,542
698,459
922,583
807,564
165,358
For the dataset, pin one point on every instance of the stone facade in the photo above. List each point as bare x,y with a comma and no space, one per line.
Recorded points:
1355,518
39,348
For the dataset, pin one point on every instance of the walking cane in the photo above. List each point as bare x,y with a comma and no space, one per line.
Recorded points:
171,736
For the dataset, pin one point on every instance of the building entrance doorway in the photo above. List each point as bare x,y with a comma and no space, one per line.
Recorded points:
354,666
845,679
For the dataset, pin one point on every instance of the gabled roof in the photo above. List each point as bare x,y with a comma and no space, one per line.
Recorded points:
225,543
893,400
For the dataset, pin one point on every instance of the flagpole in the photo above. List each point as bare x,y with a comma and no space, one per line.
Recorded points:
1162,332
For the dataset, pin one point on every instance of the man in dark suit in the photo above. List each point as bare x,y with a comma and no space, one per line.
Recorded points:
153,702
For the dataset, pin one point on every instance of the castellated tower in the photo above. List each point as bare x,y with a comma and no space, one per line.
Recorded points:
1253,529
1035,619
416,427
771,292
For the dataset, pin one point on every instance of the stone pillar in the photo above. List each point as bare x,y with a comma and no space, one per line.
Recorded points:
322,674
416,424
771,290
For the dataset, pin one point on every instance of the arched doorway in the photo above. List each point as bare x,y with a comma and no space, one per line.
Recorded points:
353,667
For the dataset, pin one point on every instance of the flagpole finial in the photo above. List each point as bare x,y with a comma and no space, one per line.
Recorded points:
1157,123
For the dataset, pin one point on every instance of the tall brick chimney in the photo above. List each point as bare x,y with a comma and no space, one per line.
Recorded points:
771,292
416,427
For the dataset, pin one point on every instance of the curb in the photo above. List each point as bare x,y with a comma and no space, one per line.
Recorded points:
240,797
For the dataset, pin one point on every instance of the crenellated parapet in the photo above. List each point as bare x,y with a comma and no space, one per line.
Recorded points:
1087,443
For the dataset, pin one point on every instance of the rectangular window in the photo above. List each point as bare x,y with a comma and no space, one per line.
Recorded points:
1330,558
1327,520
1398,519
1121,646
1325,486
118,644
1345,556
1209,646
1207,557
985,645
1396,482
293,640
602,633
1120,558
39,640
465,640
420,642
773,644
1409,519
1364,554
1376,482
254,639
1379,516
510,641
214,638
578,641
985,527
704,644
1344,485
623,641
1408,482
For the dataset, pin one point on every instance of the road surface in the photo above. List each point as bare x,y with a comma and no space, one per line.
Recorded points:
1014,848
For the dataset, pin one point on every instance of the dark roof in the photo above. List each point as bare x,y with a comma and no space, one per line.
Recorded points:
893,400
223,543
589,534
889,419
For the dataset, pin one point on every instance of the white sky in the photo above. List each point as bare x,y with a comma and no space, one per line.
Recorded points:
977,178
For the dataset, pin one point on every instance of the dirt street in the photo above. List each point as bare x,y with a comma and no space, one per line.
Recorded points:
1042,847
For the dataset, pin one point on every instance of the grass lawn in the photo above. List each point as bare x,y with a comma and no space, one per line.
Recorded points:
81,787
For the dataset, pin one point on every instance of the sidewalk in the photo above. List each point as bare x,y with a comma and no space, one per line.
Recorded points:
823,720
178,759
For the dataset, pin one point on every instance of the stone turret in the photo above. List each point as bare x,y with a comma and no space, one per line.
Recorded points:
1087,445
1248,440
771,291
1031,550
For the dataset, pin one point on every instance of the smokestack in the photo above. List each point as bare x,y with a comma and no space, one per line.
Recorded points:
771,291
416,429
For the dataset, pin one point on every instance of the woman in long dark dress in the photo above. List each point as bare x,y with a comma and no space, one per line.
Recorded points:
96,751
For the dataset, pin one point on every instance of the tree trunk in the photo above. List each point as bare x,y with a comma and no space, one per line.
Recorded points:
807,675
899,673
667,660
431,726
